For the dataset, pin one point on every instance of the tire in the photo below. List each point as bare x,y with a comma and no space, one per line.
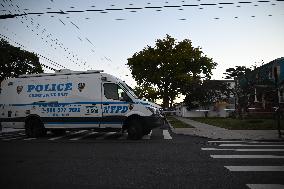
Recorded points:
147,131
135,130
34,128
58,131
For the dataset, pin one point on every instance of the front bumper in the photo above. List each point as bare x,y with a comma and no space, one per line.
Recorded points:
153,121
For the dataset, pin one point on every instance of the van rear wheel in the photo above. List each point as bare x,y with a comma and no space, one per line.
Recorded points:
134,130
34,128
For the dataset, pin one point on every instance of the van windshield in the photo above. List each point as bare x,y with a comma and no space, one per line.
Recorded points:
129,89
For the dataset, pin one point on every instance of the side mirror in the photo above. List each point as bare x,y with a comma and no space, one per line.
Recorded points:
125,97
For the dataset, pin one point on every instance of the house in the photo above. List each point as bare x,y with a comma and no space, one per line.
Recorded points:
266,96
222,108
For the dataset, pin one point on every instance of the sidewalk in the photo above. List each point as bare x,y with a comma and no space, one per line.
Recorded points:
212,132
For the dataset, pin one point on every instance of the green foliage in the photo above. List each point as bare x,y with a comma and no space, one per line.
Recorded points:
147,92
237,72
168,65
244,89
206,93
14,61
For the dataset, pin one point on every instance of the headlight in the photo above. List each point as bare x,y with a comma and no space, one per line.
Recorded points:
154,111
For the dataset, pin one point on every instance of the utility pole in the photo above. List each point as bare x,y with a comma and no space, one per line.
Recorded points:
276,73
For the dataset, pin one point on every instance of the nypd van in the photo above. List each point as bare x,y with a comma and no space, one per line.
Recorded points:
68,99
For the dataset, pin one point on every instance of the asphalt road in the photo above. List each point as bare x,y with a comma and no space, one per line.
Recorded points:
160,160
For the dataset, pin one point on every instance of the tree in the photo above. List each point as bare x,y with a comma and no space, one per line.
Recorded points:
206,93
168,65
14,61
146,92
237,72
244,86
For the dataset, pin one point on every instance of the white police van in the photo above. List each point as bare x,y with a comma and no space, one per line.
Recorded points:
74,100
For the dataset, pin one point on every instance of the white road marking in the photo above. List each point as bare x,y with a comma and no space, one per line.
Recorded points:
248,156
147,137
5,136
56,138
265,186
167,135
225,141
243,150
257,145
86,135
243,141
74,133
7,139
29,138
218,149
105,135
255,168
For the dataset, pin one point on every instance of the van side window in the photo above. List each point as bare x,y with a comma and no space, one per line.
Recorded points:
111,91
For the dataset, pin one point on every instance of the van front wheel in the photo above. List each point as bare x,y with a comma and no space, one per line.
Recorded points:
135,131
34,128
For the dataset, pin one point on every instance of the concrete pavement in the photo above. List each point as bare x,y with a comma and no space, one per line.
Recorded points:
212,132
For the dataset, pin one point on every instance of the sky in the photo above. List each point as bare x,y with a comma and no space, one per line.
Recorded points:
103,34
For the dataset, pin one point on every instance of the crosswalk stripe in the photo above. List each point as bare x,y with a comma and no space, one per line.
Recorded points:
7,139
70,135
147,137
265,186
256,145
243,141
86,135
167,135
243,150
255,168
30,138
225,141
56,138
248,156
67,135
13,136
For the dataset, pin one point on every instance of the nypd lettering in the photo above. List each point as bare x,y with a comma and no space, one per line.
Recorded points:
115,109
49,90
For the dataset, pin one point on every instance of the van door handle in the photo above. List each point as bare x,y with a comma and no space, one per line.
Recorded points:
105,103
94,104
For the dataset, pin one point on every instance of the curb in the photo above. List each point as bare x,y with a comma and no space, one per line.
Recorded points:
172,128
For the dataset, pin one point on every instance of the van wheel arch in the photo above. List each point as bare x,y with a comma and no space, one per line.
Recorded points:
129,119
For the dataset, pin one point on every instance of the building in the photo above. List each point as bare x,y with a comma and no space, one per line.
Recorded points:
221,108
266,93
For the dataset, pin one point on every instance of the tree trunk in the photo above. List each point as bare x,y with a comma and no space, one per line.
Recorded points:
166,101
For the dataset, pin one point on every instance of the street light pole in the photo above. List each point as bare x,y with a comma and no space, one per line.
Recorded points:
276,75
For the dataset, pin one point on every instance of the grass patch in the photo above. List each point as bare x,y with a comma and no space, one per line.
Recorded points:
241,124
177,123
